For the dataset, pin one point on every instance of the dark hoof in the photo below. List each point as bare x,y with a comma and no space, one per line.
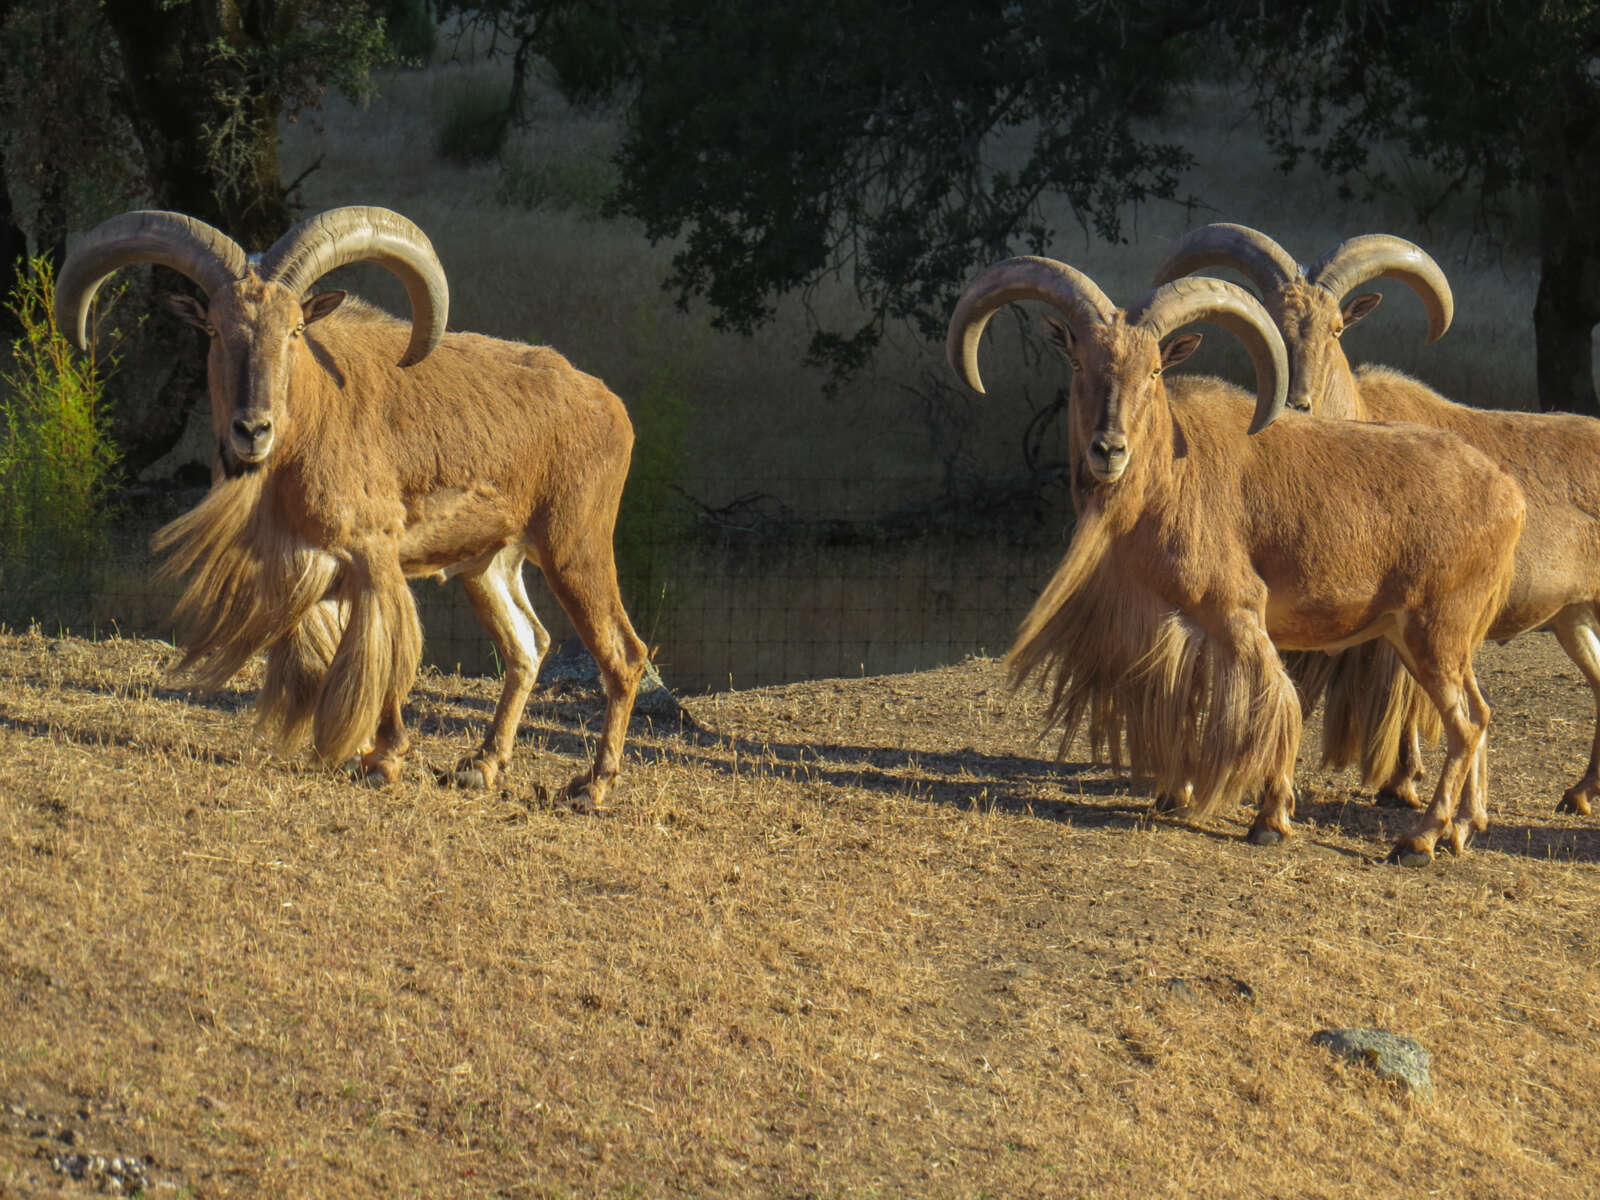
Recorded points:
1167,804
1263,835
581,803
1389,798
1408,856
1574,804
469,777
374,780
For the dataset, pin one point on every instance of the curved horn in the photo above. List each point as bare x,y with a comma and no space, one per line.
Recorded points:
207,256
1380,256
1176,304
1077,297
360,233
1265,263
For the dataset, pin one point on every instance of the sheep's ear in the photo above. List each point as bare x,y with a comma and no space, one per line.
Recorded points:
189,309
1059,336
1359,306
321,305
1178,349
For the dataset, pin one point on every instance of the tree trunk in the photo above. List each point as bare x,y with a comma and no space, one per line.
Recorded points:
181,91
1566,158
13,250
1564,317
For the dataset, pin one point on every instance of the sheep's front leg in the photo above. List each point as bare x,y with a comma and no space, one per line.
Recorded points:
1466,720
1400,789
1255,722
382,764
374,667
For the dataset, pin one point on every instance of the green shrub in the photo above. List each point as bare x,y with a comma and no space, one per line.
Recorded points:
58,463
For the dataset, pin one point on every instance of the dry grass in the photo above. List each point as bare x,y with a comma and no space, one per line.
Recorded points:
855,938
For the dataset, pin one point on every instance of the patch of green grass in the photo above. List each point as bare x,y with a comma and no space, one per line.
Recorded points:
579,179
58,462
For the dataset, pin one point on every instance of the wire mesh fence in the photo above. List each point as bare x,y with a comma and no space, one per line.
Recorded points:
738,583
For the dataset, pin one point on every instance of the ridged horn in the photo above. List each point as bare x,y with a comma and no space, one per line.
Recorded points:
205,255
1381,256
1026,277
1197,298
361,233
1260,259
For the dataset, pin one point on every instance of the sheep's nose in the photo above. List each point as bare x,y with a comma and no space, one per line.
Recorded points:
253,430
1111,447
252,438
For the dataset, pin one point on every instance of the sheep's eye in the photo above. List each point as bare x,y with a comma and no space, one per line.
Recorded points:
1156,374
211,331
1337,330
299,328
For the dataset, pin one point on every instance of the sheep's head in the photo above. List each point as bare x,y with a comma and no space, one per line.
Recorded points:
256,315
257,331
1117,390
1310,306
1118,397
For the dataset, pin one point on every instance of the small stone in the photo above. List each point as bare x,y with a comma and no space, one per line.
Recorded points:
1393,1056
572,668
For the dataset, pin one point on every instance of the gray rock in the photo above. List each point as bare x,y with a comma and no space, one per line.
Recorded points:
572,668
1393,1056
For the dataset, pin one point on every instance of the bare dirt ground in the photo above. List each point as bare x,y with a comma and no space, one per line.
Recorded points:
851,938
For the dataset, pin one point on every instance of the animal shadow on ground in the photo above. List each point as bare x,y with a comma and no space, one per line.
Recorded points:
1353,813
1046,788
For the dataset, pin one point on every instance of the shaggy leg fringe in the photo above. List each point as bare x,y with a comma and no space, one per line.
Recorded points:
1218,715
1371,701
339,643
297,664
377,658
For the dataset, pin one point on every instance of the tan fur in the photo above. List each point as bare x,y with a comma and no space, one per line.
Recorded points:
248,581
297,663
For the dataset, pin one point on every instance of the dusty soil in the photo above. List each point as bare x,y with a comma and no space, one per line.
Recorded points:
849,938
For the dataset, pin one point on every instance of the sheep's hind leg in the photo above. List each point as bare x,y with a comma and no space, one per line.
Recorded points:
585,582
501,602
1465,714
1400,789
1578,632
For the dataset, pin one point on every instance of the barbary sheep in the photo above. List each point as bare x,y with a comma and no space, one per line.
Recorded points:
354,451
1554,457
1209,530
